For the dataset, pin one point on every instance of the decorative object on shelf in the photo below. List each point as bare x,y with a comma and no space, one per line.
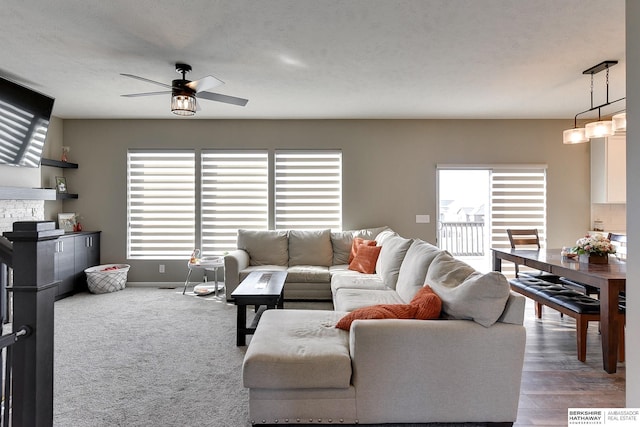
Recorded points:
61,185
65,154
594,249
599,128
77,226
67,221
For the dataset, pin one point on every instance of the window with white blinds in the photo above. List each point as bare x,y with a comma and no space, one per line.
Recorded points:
308,189
235,194
518,200
161,209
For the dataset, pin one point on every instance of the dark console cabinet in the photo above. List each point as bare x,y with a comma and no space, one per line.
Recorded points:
74,253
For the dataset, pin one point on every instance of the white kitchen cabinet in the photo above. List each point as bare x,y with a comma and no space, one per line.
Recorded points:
609,170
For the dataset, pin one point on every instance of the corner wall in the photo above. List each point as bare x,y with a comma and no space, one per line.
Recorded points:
633,204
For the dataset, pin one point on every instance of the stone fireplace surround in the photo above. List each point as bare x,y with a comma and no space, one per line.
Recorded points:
22,204
19,210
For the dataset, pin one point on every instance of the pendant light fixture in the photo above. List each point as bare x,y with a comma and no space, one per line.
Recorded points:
619,122
599,128
183,104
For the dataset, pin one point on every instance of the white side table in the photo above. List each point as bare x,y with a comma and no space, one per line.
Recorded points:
206,264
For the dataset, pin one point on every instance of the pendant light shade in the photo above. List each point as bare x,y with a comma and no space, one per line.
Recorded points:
183,105
574,136
619,122
598,129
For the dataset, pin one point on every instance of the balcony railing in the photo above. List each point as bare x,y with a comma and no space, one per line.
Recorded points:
462,238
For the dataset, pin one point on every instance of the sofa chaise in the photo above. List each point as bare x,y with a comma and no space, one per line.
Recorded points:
465,366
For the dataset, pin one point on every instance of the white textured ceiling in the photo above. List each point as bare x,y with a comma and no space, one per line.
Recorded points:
319,58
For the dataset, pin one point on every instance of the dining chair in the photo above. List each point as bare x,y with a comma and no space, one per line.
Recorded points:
620,242
529,239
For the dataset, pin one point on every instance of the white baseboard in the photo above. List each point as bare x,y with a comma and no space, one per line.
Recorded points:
155,284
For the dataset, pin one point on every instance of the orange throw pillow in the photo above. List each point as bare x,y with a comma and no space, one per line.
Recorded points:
365,259
427,303
355,245
381,311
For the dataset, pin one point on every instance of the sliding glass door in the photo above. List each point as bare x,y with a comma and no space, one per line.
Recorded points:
477,204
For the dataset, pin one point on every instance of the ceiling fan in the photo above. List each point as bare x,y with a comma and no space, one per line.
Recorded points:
184,92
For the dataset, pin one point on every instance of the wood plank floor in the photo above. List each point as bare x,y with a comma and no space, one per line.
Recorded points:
554,380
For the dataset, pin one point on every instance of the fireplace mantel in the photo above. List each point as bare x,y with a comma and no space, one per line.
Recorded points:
24,193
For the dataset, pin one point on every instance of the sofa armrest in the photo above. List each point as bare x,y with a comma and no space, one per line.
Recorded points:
436,370
514,309
234,262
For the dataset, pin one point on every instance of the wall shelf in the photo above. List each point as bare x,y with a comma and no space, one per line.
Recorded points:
58,163
63,196
22,193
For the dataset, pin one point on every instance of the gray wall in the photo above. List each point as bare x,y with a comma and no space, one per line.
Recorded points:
389,168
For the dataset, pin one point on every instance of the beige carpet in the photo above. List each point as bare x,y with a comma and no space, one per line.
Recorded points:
148,357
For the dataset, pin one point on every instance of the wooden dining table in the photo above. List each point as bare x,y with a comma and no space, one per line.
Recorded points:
610,278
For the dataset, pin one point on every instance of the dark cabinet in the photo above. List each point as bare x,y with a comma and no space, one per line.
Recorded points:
64,265
74,253
87,254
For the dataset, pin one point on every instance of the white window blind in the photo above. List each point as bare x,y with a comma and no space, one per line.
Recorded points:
161,204
235,194
308,189
518,200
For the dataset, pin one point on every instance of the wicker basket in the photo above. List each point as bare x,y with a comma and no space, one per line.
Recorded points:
101,281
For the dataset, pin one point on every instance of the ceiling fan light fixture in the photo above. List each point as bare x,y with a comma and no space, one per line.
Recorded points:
574,136
183,104
598,129
619,122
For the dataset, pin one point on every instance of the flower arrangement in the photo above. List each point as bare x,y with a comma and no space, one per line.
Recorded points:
596,244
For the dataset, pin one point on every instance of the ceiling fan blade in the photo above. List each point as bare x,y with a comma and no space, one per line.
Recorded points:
205,83
223,98
146,80
133,95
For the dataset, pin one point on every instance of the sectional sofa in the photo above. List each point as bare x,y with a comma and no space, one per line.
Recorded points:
310,258
464,366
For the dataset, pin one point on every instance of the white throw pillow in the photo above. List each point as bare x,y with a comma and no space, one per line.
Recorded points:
466,293
413,270
394,249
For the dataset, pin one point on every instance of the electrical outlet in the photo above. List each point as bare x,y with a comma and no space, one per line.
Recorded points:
423,219
161,268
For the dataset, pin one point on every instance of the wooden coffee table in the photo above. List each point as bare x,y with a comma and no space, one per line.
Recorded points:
259,288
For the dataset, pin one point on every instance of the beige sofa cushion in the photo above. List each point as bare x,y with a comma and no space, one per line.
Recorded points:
310,247
466,293
308,274
394,249
347,299
265,247
341,243
298,349
413,270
